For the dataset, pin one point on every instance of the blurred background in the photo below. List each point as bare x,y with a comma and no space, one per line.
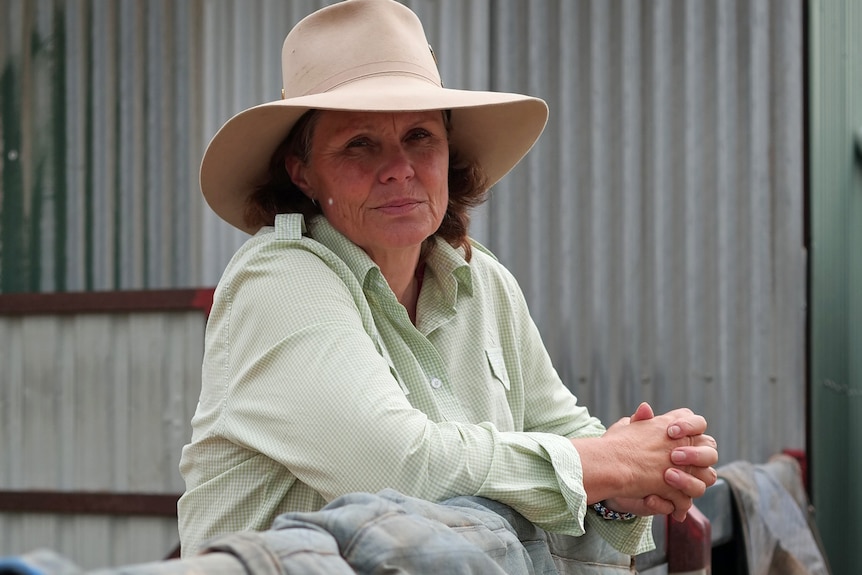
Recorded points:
686,231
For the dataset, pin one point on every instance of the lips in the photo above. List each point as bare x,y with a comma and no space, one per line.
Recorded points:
399,202
399,205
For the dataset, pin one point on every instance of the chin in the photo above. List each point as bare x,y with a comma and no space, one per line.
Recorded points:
404,241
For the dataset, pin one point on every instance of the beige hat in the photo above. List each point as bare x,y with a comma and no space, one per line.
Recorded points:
363,55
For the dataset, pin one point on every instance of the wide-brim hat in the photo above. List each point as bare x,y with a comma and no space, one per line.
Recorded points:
363,55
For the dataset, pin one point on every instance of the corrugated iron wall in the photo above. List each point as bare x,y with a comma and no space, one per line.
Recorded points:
101,137
657,228
96,402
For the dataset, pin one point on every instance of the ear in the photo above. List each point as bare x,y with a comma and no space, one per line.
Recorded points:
296,170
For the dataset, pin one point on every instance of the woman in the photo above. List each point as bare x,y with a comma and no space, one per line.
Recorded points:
361,341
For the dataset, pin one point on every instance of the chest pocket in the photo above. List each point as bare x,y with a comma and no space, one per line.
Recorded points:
498,365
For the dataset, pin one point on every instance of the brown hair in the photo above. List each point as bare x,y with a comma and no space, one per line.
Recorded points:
467,188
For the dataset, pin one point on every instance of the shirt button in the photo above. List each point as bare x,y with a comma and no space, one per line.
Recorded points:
436,383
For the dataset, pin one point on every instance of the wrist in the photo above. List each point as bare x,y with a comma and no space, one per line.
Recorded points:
603,470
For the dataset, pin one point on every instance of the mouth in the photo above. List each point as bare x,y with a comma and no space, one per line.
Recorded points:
399,206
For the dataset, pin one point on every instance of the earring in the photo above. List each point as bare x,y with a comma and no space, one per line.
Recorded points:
314,202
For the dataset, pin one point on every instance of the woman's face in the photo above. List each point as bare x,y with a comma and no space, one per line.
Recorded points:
381,179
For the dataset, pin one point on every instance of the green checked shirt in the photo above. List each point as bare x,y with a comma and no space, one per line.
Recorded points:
317,384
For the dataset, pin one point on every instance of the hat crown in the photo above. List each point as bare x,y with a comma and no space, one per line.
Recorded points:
353,40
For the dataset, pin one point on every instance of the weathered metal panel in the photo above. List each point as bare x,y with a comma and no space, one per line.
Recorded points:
101,140
96,402
657,228
835,53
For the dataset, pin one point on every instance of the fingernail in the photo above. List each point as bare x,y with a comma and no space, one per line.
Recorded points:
673,430
677,456
673,473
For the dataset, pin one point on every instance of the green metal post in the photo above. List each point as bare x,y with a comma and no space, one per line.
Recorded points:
835,92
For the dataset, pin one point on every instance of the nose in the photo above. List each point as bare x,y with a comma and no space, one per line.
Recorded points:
396,165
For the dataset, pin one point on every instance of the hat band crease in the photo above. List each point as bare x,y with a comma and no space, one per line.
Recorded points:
371,70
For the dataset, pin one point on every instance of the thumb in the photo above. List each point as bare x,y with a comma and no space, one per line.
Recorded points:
644,411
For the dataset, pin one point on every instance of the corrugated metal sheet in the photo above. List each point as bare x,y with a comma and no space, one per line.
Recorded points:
96,402
657,228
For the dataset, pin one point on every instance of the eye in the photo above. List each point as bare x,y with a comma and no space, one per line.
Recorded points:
418,134
359,142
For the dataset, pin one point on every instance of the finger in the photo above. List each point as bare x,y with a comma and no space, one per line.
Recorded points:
658,505
687,483
688,426
691,455
680,514
705,441
706,474
643,412
681,502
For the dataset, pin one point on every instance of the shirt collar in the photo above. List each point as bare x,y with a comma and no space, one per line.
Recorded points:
446,263
355,257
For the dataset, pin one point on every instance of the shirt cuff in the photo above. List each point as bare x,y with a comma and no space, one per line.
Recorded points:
631,537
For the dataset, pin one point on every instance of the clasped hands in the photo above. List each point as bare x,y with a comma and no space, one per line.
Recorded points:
656,465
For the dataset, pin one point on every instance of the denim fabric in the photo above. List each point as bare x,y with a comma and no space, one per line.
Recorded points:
387,533
531,537
16,566
588,553
392,533
38,562
554,553
212,564
298,550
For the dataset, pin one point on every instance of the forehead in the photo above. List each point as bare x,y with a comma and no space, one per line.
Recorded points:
335,121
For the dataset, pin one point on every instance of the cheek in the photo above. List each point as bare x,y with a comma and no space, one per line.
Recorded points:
340,188
345,215
443,179
436,169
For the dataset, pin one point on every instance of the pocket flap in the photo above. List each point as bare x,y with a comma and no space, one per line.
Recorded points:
498,365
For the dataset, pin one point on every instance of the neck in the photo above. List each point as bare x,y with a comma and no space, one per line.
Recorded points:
400,271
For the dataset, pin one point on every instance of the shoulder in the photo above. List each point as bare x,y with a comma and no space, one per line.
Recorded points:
283,280
290,262
489,272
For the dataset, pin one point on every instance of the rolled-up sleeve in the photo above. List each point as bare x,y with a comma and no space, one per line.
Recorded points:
552,416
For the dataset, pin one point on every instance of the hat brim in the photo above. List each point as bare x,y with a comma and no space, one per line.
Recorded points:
494,129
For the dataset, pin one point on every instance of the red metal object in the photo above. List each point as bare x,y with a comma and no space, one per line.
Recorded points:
107,302
689,544
799,456
89,503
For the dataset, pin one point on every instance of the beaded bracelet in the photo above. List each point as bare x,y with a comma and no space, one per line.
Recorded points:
610,513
